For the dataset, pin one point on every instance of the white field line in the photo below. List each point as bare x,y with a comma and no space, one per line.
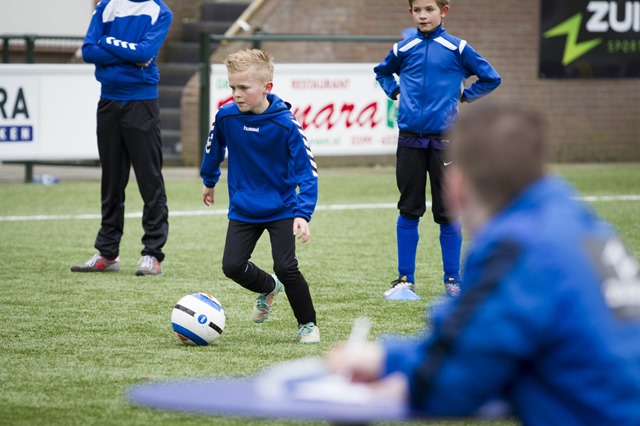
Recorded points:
331,207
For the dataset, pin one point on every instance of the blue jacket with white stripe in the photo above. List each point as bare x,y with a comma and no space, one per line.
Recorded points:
432,68
269,160
122,35
548,321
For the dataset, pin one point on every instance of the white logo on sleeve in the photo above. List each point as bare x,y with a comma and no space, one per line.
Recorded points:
120,43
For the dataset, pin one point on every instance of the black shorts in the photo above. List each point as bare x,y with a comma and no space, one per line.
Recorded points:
412,167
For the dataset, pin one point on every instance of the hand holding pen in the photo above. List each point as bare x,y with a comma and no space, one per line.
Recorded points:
358,359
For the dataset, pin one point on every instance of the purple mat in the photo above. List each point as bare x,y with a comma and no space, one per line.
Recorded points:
238,397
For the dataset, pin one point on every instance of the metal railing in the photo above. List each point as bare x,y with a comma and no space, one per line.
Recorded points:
28,48
206,41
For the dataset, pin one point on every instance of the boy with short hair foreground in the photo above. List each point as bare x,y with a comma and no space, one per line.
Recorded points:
548,318
269,159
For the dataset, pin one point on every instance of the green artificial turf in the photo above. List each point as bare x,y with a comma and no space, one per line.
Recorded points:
72,344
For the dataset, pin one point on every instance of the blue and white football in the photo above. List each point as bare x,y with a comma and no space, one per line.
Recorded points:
198,319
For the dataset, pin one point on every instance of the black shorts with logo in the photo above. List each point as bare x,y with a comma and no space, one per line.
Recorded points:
417,157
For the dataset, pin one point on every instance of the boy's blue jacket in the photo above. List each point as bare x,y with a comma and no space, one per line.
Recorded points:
269,159
123,33
432,68
548,321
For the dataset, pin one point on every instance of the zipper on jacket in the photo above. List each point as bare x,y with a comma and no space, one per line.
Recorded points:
423,119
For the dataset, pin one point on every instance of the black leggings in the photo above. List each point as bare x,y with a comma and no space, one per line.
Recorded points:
242,238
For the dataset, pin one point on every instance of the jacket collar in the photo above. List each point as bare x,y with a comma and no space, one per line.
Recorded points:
276,106
433,34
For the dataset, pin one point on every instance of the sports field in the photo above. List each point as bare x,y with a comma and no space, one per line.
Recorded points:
72,344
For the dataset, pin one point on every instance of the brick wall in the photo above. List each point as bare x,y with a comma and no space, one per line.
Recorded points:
590,120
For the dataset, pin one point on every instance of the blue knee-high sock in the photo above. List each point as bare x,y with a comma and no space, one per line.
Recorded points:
407,236
450,244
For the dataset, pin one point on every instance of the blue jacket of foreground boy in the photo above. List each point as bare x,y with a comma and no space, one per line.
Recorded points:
548,321
122,34
432,68
269,161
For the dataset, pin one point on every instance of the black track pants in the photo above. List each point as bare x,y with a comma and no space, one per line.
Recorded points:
129,135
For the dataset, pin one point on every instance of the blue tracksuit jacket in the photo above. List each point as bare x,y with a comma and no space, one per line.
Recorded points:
548,320
432,68
269,159
123,33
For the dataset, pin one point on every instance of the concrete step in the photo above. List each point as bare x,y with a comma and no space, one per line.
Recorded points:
170,118
183,52
176,74
170,96
171,145
170,159
170,137
223,11
191,30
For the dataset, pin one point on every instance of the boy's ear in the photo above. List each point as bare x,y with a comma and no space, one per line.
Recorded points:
268,86
444,10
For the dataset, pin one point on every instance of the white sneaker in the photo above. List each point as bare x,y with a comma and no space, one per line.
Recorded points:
307,333
98,264
149,265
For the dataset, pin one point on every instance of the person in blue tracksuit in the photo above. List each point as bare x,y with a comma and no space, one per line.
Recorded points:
273,186
547,324
123,41
432,66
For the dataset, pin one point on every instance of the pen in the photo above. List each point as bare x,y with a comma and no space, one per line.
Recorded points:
359,335
359,332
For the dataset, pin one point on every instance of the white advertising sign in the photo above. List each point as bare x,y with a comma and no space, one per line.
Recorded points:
48,112
341,106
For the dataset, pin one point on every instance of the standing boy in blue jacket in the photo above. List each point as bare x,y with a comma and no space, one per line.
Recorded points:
548,319
123,41
432,66
269,161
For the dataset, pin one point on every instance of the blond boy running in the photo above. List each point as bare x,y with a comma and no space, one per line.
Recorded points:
273,186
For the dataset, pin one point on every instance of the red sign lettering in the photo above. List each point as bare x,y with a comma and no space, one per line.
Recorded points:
330,115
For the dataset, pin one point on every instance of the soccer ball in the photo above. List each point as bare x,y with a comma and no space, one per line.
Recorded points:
198,319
